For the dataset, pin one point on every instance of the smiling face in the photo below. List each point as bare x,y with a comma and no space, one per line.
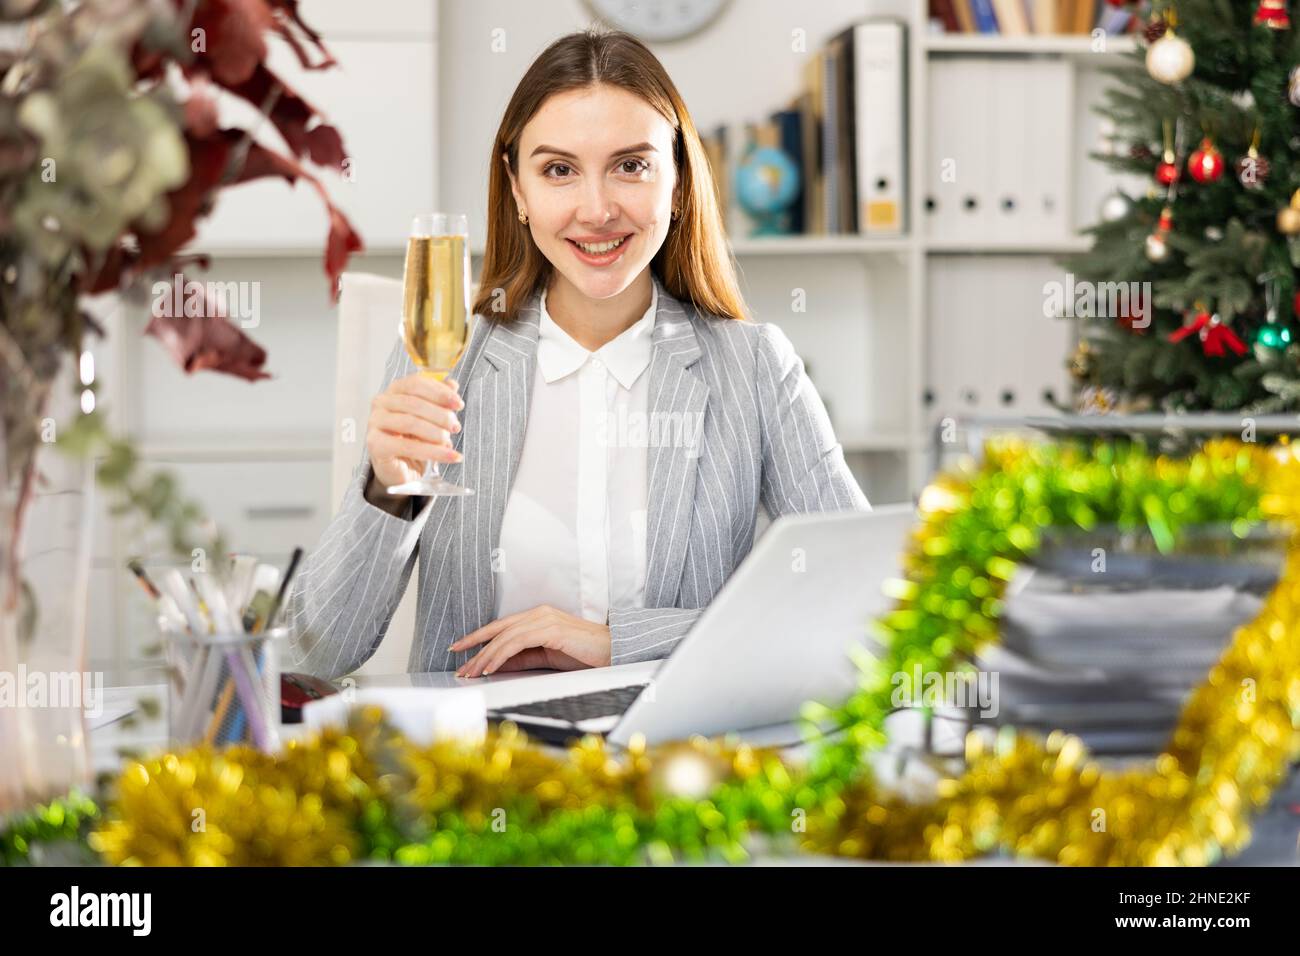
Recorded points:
597,180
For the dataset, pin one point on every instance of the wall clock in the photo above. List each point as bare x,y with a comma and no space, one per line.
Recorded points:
658,20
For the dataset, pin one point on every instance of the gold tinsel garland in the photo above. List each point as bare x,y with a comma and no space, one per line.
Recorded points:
1235,740
364,792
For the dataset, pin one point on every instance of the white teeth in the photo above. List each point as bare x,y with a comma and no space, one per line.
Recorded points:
597,248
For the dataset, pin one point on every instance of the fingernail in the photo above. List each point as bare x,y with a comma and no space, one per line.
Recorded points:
459,456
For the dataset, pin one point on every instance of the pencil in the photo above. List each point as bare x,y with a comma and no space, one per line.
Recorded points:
219,714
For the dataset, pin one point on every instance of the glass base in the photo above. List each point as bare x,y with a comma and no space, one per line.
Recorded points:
427,487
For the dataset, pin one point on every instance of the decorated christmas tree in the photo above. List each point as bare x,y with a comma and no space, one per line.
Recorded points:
1208,113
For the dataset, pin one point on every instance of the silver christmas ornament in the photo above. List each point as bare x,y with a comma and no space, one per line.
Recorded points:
1157,248
1114,207
1170,59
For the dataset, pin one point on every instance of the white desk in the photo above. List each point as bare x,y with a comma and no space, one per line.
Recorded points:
142,734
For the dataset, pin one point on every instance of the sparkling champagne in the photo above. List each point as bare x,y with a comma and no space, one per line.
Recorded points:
435,306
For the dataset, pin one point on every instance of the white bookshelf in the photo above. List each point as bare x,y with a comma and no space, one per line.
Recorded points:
997,45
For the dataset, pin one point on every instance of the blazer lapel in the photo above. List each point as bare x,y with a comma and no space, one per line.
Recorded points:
491,440
677,401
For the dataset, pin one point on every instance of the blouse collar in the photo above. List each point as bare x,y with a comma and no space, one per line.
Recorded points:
626,356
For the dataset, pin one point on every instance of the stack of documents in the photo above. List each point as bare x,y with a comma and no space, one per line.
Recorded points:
1113,666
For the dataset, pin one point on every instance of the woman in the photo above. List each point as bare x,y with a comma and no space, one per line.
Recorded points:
618,416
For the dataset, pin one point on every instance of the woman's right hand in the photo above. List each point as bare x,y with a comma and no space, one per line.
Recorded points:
412,422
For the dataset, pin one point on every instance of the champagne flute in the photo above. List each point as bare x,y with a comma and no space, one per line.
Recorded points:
435,316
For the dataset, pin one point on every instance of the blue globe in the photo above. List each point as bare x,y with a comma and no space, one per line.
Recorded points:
767,182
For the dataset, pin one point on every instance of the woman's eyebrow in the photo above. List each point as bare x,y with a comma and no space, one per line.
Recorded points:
637,148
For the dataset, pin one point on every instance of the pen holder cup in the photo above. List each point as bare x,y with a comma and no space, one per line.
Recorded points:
225,689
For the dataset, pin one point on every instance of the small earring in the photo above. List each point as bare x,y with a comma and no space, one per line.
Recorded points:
676,213
523,216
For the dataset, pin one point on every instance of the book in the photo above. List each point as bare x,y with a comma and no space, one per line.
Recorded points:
986,20
1011,17
965,15
830,128
1042,16
846,160
814,207
944,12
790,138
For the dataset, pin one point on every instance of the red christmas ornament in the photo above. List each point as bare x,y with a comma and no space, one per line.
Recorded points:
1214,335
1272,14
1206,164
1167,171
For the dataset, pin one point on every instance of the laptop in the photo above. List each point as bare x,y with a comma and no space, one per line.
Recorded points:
775,636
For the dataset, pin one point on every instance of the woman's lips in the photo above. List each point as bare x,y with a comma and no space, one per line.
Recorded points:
600,259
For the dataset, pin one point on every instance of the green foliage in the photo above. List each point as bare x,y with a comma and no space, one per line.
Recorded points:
48,829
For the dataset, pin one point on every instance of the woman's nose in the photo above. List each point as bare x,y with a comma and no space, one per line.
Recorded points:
595,207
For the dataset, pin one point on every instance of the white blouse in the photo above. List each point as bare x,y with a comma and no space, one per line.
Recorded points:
574,531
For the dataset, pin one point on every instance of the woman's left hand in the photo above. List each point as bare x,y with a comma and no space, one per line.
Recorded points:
539,637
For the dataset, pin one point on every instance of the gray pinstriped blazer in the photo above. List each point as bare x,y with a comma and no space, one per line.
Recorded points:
765,438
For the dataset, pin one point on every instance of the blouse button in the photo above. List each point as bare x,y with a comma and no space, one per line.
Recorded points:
595,363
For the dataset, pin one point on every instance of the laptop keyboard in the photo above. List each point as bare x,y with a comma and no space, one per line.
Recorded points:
598,703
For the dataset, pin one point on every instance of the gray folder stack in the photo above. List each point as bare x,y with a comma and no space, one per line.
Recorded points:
1112,655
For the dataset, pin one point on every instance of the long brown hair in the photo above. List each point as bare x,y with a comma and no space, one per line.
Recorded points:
694,263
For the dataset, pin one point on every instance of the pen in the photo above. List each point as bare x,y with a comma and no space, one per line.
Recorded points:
284,587
174,585
265,583
138,570
239,584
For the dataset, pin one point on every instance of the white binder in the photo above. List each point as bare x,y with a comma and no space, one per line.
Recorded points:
959,161
1011,144
1000,120
1048,131
880,101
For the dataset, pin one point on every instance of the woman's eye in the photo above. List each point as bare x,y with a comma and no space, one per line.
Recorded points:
638,166
554,166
